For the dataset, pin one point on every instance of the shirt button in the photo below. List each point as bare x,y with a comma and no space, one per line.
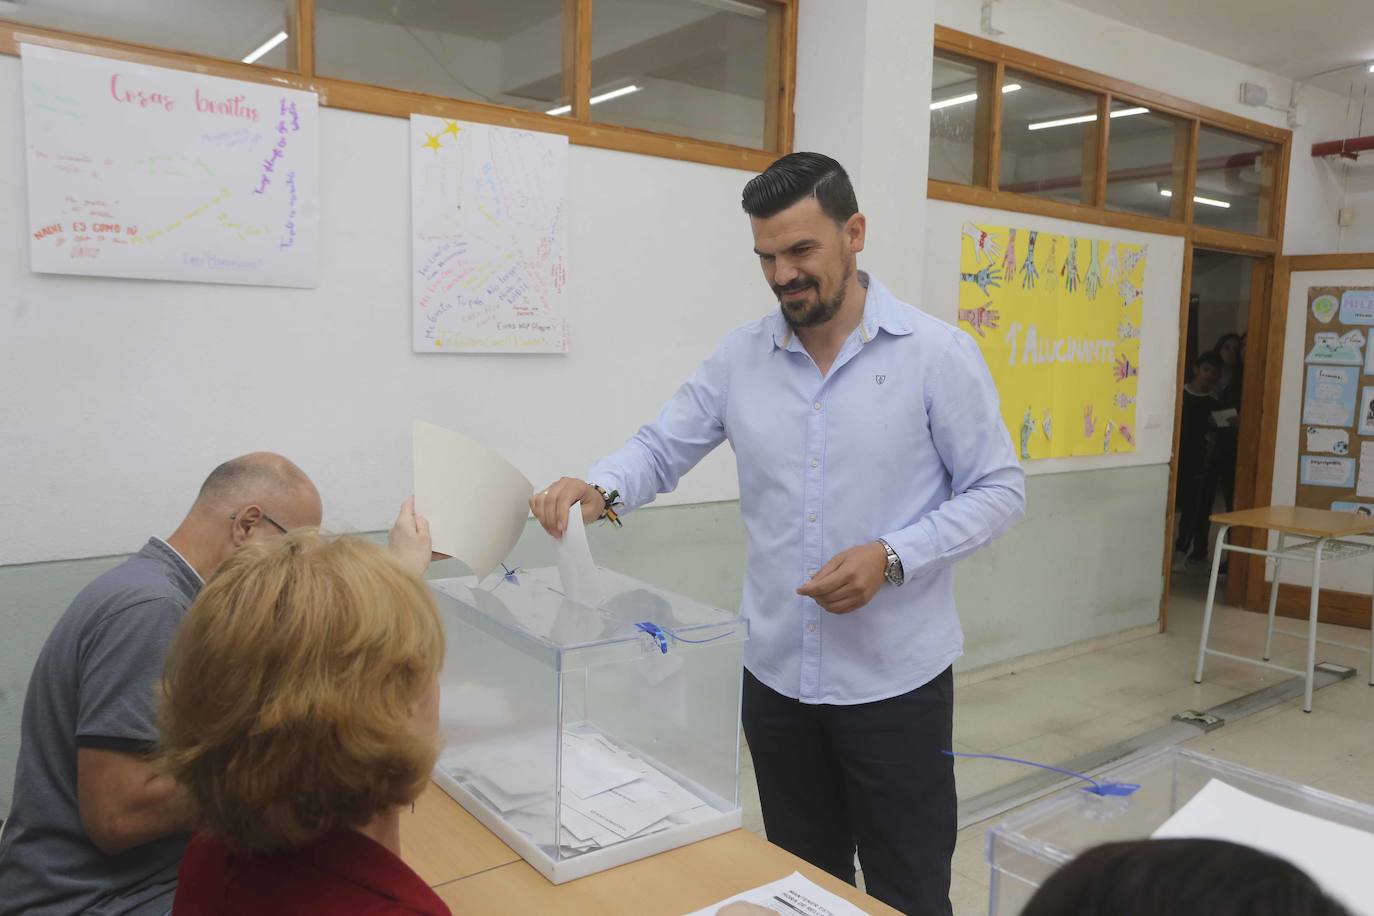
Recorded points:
810,628
815,463
817,405
811,517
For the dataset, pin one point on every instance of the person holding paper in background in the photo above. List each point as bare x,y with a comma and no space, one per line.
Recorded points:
871,456
93,827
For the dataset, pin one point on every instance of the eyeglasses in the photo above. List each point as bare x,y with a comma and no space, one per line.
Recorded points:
279,525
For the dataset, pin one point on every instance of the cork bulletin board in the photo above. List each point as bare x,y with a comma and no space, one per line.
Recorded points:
1336,441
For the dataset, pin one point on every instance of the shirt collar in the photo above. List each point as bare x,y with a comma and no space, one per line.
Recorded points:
880,313
159,549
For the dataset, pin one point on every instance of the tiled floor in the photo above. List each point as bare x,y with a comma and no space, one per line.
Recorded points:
1070,707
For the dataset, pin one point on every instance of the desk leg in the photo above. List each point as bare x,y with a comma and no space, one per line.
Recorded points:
1211,600
1274,597
1312,624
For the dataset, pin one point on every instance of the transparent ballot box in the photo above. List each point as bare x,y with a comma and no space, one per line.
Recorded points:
1025,849
587,737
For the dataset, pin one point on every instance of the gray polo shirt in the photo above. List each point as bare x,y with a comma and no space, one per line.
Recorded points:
94,685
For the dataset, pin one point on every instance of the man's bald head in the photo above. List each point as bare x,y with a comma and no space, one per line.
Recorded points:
263,479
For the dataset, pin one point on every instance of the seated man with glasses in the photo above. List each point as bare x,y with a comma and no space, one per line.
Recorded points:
93,828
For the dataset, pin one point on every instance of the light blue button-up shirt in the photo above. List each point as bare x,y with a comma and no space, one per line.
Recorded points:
903,440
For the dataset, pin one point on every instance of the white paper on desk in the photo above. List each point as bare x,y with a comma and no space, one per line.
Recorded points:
1337,857
790,896
476,501
575,566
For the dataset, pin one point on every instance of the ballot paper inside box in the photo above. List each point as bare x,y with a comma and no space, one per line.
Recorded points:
587,737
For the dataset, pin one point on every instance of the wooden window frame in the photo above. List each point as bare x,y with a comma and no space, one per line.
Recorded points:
577,125
985,193
1266,324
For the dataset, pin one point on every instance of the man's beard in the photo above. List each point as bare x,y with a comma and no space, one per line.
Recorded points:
814,314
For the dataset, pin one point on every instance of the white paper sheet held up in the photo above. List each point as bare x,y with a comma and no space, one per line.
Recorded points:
575,565
790,896
1364,482
1336,856
476,501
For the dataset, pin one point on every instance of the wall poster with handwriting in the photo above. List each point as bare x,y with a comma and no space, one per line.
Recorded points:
139,171
488,229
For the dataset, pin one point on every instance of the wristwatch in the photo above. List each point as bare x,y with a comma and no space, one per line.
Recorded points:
894,572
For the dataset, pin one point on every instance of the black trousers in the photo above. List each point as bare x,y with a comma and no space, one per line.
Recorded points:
871,776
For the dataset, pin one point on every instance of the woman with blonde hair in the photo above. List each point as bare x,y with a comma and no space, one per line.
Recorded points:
300,712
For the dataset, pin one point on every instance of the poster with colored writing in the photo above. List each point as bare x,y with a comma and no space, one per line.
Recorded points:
138,171
488,226
1059,320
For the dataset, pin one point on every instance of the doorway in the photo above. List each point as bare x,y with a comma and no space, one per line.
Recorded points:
1215,424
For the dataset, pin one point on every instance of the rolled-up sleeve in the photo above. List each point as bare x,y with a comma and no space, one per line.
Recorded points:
987,483
688,427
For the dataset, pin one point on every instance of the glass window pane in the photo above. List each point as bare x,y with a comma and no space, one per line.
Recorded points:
1235,181
1048,133
1146,152
508,54
955,108
255,31
699,68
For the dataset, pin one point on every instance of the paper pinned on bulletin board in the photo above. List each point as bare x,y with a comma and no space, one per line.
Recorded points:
1315,471
1059,320
475,500
1329,441
488,234
140,171
1330,396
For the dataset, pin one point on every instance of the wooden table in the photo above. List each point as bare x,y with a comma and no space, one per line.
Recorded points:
1318,535
475,873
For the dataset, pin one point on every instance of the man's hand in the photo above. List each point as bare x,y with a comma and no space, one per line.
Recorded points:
409,539
550,505
849,580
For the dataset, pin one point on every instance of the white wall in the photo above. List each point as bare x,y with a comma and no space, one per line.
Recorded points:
117,396
1159,330
863,97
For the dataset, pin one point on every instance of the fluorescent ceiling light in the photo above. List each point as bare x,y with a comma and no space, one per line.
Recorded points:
1084,119
596,99
266,46
961,99
1165,192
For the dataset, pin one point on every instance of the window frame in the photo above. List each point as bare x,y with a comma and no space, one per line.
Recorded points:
985,192
578,125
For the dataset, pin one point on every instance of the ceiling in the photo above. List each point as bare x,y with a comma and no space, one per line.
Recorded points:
1294,38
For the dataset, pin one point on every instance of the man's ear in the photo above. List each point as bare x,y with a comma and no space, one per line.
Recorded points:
244,521
855,231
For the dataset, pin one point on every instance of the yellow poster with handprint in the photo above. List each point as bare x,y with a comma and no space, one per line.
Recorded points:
1058,319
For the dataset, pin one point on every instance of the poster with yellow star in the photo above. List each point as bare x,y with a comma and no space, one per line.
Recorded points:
488,228
1058,319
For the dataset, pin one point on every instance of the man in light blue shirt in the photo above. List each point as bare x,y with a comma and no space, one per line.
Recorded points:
871,456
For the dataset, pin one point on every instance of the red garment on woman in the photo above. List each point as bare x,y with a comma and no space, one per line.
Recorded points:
343,872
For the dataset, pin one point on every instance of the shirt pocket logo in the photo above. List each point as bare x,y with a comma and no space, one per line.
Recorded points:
880,379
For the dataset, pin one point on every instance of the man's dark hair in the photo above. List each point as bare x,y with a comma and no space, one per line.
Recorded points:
1181,878
796,176
1210,358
